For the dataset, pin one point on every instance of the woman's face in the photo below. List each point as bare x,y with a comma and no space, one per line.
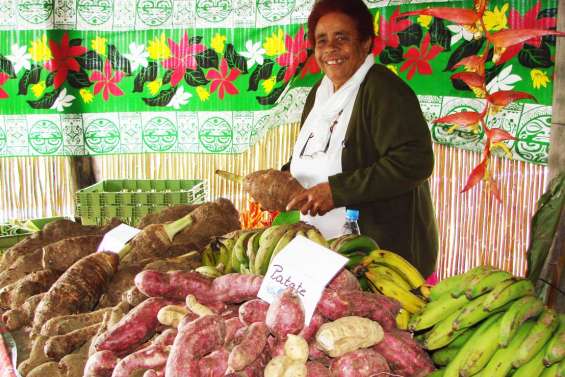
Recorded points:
338,50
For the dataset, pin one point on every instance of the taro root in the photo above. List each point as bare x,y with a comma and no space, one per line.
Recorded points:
168,214
273,189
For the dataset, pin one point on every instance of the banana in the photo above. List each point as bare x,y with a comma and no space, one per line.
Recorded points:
445,286
387,287
483,284
503,293
244,269
471,314
556,346
208,258
389,273
552,371
357,243
314,235
471,275
208,271
437,373
364,283
425,290
337,242
561,369
241,245
267,244
479,349
355,259
402,319
435,311
444,356
539,334
442,333
464,337
283,241
251,250
224,260
501,362
532,368
519,312
397,263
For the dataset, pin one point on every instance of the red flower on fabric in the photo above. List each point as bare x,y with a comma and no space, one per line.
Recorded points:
3,78
63,59
529,20
107,80
388,32
296,53
310,67
222,79
418,59
183,57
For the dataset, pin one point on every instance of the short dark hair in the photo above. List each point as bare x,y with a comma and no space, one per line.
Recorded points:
356,9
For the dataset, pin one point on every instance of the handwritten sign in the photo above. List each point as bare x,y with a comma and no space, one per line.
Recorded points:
117,238
306,268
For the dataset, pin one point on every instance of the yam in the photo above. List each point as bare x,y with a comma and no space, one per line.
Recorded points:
121,282
60,345
67,323
185,262
50,369
73,365
21,267
19,317
167,214
14,295
61,255
36,357
133,296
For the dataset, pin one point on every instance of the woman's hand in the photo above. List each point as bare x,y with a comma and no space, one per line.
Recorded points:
317,200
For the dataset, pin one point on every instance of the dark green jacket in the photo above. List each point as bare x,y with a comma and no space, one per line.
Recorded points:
387,159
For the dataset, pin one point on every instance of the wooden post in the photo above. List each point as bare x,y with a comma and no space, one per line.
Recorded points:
84,171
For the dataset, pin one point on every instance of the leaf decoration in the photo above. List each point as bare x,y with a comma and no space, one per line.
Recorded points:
119,62
75,42
78,79
30,77
467,48
50,79
146,74
195,40
207,59
459,84
195,77
412,35
162,99
7,67
91,61
548,12
391,55
272,97
491,73
262,72
47,101
281,73
167,76
440,34
535,57
234,59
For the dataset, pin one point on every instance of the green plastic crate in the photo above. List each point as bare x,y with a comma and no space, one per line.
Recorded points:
131,199
9,240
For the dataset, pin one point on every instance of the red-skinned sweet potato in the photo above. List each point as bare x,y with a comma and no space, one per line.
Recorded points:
233,325
317,369
215,364
285,315
175,285
253,311
360,363
251,346
344,281
152,357
309,332
100,364
236,288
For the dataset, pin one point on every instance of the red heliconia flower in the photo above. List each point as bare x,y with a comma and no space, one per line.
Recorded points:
505,40
310,67
222,79
503,98
418,59
3,78
473,63
462,119
473,80
107,81
183,58
388,31
296,53
497,135
481,173
63,59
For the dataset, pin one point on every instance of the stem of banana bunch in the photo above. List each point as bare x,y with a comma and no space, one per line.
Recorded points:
230,176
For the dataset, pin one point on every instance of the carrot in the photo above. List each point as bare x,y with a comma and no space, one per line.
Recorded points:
63,254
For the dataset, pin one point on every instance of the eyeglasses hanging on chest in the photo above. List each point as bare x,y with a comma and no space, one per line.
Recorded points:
312,135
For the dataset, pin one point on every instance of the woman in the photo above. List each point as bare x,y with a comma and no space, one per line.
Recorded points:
364,143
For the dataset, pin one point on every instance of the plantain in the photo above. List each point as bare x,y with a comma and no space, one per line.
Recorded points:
555,352
532,368
519,312
540,333
483,284
444,356
442,333
445,286
314,235
267,244
358,242
471,275
436,310
506,291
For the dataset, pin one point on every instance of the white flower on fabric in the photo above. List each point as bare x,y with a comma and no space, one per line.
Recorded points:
63,100
254,53
137,56
504,81
19,58
460,32
180,98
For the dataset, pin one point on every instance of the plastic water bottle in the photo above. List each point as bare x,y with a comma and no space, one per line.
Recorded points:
351,226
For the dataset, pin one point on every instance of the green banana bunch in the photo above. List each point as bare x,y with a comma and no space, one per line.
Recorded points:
402,319
382,284
397,263
471,313
208,257
473,275
208,271
267,244
534,367
444,356
442,333
239,249
252,248
561,369
445,286
434,311
354,242
552,371
437,373
556,346
506,291
540,333
481,284
501,362
314,235
463,337
283,241
519,312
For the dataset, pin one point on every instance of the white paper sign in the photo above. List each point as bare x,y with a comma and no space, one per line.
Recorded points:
116,239
304,266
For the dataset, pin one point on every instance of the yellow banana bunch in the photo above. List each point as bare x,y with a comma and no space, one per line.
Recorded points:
391,288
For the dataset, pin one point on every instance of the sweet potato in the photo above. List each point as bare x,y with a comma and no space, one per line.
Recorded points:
285,315
344,281
404,355
110,320
316,369
250,347
152,357
195,339
61,255
73,365
197,308
348,334
296,348
174,285
14,295
215,364
360,363
253,311
233,325
100,364
236,288
154,373
78,289
36,357
309,331
137,326
316,354
60,345
19,317
166,338
172,315
65,324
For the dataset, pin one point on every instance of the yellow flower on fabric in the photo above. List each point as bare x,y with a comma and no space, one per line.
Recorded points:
218,43
539,78
39,50
275,43
376,22
158,48
202,93
154,86
393,69
496,19
86,95
38,89
98,44
425,21
269,84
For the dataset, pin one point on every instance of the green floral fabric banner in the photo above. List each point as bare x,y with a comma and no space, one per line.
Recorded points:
211,76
